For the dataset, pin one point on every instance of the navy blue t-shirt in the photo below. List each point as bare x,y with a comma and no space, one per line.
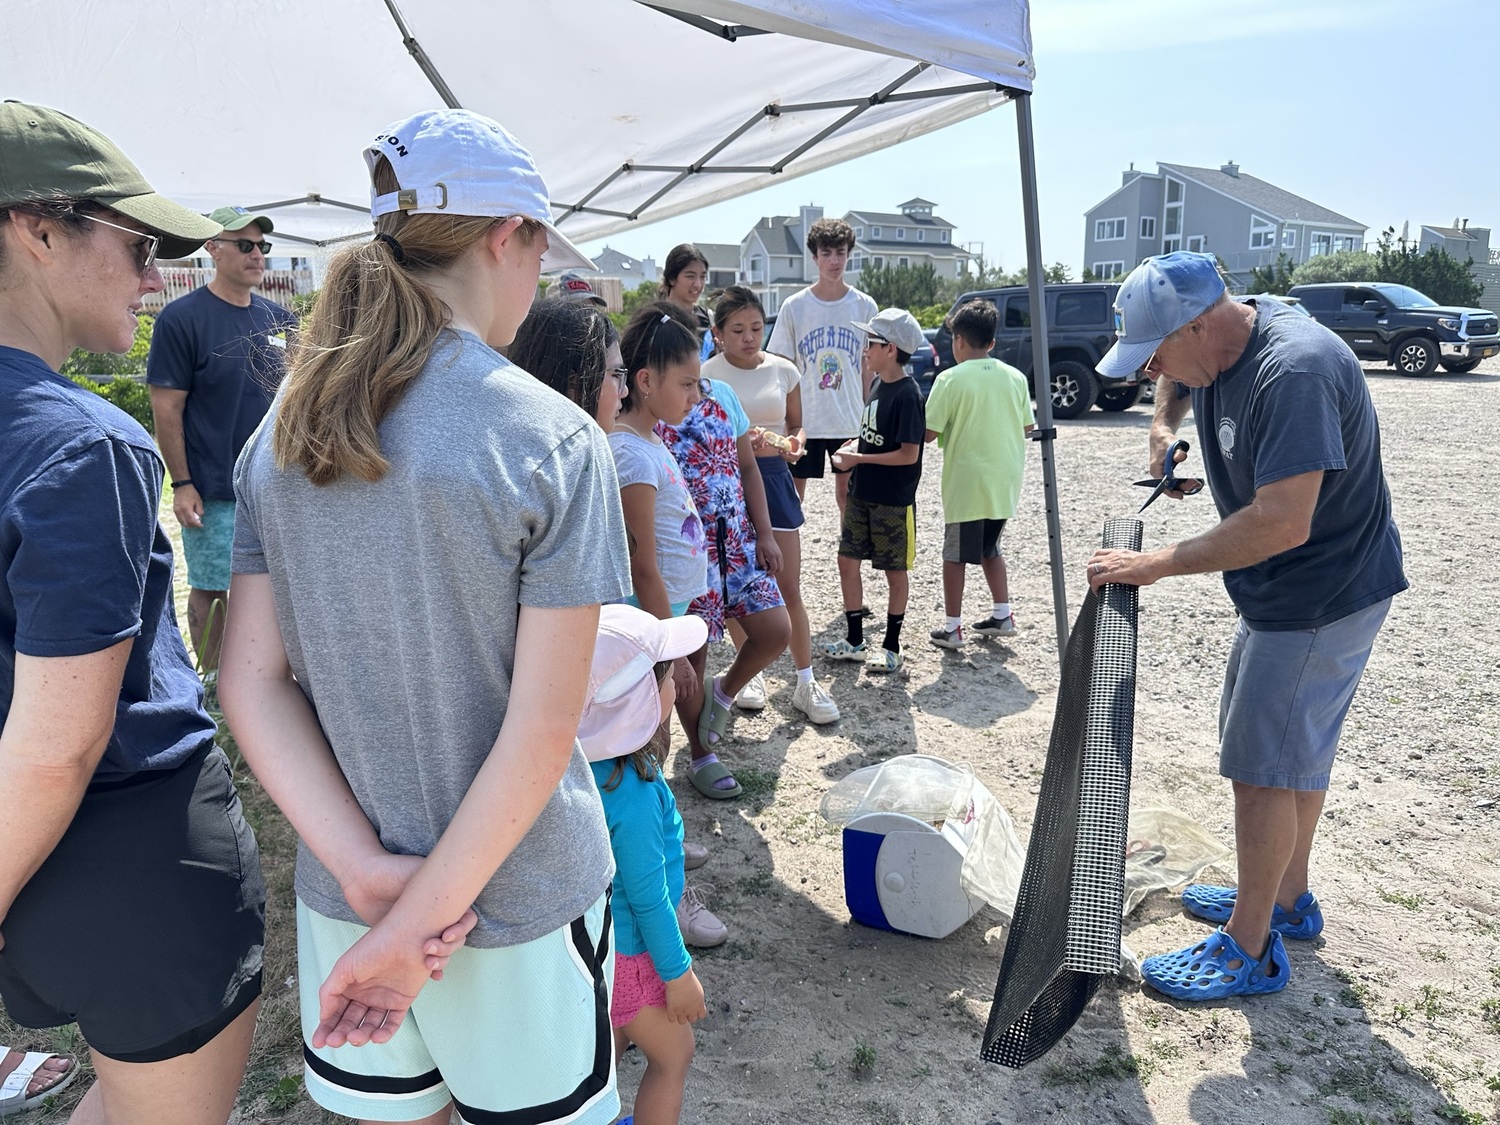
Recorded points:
85,564
230,361
1296,402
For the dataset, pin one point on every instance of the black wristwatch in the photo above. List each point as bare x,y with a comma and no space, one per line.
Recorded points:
183,481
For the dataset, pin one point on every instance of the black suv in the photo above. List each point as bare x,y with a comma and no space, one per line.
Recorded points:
1396,323
1080,329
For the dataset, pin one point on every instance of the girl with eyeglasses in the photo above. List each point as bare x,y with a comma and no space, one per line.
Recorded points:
424,537
572,347
131,898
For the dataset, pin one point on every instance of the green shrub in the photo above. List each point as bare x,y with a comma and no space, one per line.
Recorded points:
130,395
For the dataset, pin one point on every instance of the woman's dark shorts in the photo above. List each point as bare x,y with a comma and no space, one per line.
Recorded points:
146,924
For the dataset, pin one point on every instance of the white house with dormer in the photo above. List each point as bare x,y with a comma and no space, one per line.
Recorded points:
775,261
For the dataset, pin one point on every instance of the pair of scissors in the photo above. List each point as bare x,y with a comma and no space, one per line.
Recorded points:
1169,481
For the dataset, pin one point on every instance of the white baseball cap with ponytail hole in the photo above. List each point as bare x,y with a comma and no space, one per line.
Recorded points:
457,162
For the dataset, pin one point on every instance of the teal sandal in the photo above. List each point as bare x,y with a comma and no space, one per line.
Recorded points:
1216,968
709,771
714,720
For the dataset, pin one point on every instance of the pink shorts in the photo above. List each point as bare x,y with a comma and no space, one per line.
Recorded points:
637,985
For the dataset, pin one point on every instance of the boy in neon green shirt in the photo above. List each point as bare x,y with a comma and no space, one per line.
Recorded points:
980,412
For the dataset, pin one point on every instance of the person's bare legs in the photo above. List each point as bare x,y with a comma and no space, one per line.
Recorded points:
1294,884
758,640
953,589
850,583
1267,835
900,588
668,1048
194,1089
790,582
800,484
690,707
994,574
206,625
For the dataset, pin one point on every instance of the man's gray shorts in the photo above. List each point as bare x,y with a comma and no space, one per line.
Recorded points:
1286,693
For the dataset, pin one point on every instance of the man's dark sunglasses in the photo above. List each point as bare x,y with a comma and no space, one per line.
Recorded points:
244,245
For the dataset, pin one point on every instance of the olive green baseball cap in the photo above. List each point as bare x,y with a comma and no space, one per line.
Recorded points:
237,218
47,155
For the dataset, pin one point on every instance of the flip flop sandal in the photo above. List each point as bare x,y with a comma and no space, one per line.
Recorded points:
1214,904
714,720
13,1097
1216,968
709,771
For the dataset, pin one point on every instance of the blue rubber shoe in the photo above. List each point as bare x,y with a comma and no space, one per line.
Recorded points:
1216,968
1214,904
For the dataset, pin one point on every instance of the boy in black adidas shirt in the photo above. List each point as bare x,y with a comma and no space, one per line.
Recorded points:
880,517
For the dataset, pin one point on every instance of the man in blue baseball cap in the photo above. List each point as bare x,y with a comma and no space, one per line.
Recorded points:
1311,559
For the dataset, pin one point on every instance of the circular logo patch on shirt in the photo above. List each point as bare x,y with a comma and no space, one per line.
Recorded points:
1226,437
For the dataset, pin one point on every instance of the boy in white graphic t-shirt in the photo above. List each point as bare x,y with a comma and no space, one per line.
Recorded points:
815,330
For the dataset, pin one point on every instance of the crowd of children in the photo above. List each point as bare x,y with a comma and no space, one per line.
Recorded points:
490,854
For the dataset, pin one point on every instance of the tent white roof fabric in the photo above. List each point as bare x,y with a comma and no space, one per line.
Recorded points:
617,99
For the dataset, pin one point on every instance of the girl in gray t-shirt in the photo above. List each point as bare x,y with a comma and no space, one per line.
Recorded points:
424,536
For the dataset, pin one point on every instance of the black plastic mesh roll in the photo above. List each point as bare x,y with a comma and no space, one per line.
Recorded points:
1064,939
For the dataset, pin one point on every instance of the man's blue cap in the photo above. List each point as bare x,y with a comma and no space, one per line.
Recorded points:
1159,297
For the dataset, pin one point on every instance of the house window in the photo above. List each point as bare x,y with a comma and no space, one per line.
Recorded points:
856,263
945,236
1262,234
902,262
1148,226
755,268
901,232
877,261
1196,242
1171,220
1108,230
921,236
859,232
874,232
1289,238
1346,242
1322,243
1103,271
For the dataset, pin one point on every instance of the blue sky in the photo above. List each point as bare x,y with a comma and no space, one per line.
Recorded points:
1384,110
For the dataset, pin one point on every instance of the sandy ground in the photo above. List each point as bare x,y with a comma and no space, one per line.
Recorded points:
1393,1016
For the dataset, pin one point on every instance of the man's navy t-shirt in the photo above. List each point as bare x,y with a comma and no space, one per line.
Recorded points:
1296,402
85,564
230,361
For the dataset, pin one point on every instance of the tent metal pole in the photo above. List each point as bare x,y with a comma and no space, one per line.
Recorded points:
1045,432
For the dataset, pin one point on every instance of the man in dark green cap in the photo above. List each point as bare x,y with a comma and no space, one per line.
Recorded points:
217,356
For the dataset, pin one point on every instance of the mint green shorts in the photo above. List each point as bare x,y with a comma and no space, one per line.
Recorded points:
518,1034
208,548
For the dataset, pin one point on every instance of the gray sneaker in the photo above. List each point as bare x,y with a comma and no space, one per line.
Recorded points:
944,639
990,627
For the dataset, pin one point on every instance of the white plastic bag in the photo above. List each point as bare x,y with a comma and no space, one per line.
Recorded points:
938,791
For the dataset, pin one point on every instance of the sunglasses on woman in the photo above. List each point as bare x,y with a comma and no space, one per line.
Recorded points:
145,245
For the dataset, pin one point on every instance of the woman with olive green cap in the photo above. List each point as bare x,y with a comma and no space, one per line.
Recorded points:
131,898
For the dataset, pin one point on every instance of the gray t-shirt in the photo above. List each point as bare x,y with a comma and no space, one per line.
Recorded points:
681,551
398,603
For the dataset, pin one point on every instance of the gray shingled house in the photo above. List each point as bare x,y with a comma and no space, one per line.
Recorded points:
1243,220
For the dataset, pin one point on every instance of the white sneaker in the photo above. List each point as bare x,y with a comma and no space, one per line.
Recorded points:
699,927
815,703
752,696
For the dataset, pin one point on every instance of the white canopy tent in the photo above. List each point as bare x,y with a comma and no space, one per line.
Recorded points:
635,111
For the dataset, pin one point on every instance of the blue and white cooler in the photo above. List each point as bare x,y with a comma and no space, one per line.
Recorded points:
926,846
